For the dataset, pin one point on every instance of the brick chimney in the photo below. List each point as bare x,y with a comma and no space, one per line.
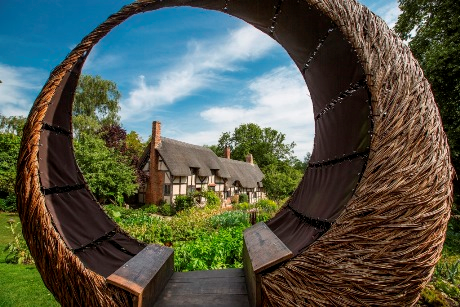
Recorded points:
154,193
227,152
156,134
250,159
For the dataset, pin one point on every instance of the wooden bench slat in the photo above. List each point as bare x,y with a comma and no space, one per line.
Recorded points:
146,274
205,288
264,248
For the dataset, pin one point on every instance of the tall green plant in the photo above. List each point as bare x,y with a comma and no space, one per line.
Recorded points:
109,178
17,250
182,202
9,150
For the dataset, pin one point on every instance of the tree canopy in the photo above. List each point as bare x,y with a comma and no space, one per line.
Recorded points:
432,28
107,175
9,150
266,145
96,104
12,124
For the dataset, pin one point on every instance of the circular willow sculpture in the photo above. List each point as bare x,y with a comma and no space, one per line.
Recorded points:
367,222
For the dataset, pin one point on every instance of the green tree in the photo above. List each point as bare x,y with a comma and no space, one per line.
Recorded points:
267,145
96,104
300,165
432,28
134,144
9,150
281,180
12,124
108,177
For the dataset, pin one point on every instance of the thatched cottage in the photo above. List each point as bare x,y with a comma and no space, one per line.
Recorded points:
178,168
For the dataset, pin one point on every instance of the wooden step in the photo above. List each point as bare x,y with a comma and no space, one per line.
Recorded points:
205,288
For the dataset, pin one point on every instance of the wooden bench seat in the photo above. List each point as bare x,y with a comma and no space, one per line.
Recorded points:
223,288
150,278
262,249
146,274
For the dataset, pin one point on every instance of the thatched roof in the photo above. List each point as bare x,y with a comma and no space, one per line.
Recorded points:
249,175
181,157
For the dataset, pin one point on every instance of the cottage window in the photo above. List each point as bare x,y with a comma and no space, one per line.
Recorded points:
167,190
191,189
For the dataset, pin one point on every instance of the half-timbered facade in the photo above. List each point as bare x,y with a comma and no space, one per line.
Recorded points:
178,168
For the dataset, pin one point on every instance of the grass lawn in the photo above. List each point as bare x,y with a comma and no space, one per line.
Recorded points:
21,285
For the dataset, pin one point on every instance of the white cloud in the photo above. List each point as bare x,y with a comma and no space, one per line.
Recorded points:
98,62
198,69
389,12
278,99
18,89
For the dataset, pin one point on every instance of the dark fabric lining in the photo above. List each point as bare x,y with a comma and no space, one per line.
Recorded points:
333,69
217,5
127,244
56,161
109,253
65,189
275,16
315,222
321,195
55,129
350,91
316,50
344,129
60,107
96,242
104,258
258,13
325,191
295,233
362,155
300,33
78,218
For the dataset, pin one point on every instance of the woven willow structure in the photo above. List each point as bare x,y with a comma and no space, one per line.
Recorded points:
375,243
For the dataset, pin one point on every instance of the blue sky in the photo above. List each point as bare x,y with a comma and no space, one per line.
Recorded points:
199,72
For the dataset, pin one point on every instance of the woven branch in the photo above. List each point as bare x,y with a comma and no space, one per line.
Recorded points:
384,246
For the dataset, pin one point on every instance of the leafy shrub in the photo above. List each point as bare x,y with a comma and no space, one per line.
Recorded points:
166,210
448,271
267,205
432,297
244,198
242,206
212,199
263,216
235,199
109,178
141,225
8,204
448,288
212,250
150,209
17,250
183,202
229,219
189,224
